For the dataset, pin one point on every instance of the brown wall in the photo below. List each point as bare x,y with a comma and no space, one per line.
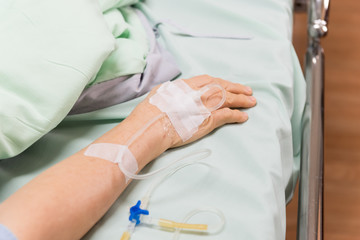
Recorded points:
342,121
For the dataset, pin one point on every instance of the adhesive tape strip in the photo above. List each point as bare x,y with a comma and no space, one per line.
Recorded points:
182,105
115,153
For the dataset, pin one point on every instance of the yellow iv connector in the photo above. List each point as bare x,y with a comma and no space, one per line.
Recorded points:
126,236
171,224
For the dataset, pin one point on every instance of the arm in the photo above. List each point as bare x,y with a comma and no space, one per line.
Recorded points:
66,200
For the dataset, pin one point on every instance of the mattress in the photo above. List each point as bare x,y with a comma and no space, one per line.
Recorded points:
252,170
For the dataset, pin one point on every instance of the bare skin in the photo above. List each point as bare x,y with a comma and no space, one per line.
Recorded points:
66,200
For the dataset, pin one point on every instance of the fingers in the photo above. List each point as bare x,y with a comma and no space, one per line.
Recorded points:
213,98
234,87
203,80
226,115
239,101
237,95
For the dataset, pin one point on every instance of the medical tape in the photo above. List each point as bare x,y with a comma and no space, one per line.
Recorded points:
186,112
183,106
115,153
121,155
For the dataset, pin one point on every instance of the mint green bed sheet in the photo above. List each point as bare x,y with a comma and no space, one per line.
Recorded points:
50,51
253,168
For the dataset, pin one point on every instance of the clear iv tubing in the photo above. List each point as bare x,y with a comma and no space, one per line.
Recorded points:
202,154
146,199
171,224
215,211
223,92
200,92
205,153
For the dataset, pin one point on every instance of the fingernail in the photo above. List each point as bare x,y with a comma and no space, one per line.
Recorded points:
252,99
248,90
246,115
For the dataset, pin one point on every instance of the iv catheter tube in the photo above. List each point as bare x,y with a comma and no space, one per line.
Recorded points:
126,236
130,229
165,223
205,153
197,95
202,210
223,92
171,224
145,200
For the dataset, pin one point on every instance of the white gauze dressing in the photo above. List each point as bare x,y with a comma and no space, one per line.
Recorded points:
186,112
115,153
182,105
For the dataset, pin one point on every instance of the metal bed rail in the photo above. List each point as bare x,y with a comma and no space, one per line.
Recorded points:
311,186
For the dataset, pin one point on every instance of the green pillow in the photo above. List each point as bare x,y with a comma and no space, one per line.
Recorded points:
50,50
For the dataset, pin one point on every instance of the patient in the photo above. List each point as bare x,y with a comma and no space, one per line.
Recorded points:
66,200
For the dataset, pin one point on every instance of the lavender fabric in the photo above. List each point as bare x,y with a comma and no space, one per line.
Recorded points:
6,234
160,67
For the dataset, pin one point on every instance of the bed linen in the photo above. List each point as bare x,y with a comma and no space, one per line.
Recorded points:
50,51
160,67
253,167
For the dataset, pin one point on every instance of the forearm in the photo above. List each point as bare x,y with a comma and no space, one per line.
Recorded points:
66,200
70,197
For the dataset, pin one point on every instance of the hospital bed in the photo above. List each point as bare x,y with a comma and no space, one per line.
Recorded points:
254,167
311,187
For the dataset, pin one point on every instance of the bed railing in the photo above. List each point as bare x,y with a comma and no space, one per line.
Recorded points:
311,187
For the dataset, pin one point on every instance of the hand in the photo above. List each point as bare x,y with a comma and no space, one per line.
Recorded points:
237,96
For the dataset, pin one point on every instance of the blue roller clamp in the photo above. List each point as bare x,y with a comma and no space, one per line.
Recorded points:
136,211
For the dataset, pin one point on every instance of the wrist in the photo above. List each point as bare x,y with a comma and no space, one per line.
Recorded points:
151,131
145,143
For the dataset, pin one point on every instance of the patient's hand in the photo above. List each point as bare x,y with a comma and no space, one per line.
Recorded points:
237,96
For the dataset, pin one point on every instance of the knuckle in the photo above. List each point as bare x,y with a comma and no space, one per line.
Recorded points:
204,76
229,100
218,81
